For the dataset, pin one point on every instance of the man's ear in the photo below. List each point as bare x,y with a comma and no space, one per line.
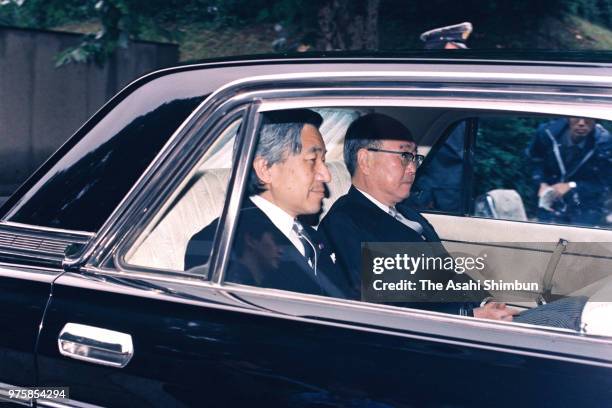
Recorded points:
363,161
262,170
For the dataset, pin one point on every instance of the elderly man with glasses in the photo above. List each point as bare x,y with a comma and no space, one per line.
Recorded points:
382,158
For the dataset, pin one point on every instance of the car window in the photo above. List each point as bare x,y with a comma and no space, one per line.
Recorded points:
193,209
523,169
275,245
545,169
180,237
85,185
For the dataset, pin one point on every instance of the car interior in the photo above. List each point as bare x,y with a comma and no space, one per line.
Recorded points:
499,217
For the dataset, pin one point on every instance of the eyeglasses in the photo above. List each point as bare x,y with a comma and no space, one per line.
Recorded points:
407,157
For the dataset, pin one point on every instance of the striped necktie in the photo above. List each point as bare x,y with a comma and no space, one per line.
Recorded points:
310,247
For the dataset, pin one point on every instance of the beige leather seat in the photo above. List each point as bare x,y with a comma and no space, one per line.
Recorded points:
199,205
501,204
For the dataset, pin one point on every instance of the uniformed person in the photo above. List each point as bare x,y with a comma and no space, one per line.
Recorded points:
572,159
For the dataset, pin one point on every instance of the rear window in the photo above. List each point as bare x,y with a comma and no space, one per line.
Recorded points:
84,183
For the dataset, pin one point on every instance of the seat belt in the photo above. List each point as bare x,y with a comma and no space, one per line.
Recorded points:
547,282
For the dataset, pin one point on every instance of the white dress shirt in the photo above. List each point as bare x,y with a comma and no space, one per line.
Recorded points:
282,220
389,210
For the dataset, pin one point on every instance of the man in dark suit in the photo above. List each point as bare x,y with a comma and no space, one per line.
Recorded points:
382,158
272,248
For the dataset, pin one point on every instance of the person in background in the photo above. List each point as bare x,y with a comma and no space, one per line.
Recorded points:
571,160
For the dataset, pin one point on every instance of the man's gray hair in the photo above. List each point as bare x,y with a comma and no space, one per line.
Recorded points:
276,140
280,137
352,146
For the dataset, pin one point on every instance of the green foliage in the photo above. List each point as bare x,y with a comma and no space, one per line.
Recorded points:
44,13
117,25
498,23
500,160
596,11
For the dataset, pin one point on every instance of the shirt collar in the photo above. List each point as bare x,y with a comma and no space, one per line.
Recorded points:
380,205
415,225
277,215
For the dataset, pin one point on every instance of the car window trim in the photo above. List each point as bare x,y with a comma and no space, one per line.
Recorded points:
236,186
267,100
207,138
469,146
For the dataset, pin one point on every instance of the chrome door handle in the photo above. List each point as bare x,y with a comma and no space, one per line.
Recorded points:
95,345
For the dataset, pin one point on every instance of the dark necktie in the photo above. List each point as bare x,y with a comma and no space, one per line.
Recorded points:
311,250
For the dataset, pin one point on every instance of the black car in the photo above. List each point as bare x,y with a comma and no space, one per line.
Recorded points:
94,294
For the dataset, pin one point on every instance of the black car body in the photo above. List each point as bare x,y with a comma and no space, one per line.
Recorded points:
70,237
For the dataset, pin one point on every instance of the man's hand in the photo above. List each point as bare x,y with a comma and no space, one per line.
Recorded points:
561,188
495,311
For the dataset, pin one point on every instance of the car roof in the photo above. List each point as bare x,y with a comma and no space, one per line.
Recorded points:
593,63
505,57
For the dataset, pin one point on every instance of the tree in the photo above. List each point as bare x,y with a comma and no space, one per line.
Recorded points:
328,24
349,25
338,24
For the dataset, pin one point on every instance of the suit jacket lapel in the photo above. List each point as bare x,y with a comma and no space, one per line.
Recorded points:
428,230
324,279
382,227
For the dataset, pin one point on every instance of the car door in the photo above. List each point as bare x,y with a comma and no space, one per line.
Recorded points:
56,211
126,328
23,297
120,340
30,259
191,352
